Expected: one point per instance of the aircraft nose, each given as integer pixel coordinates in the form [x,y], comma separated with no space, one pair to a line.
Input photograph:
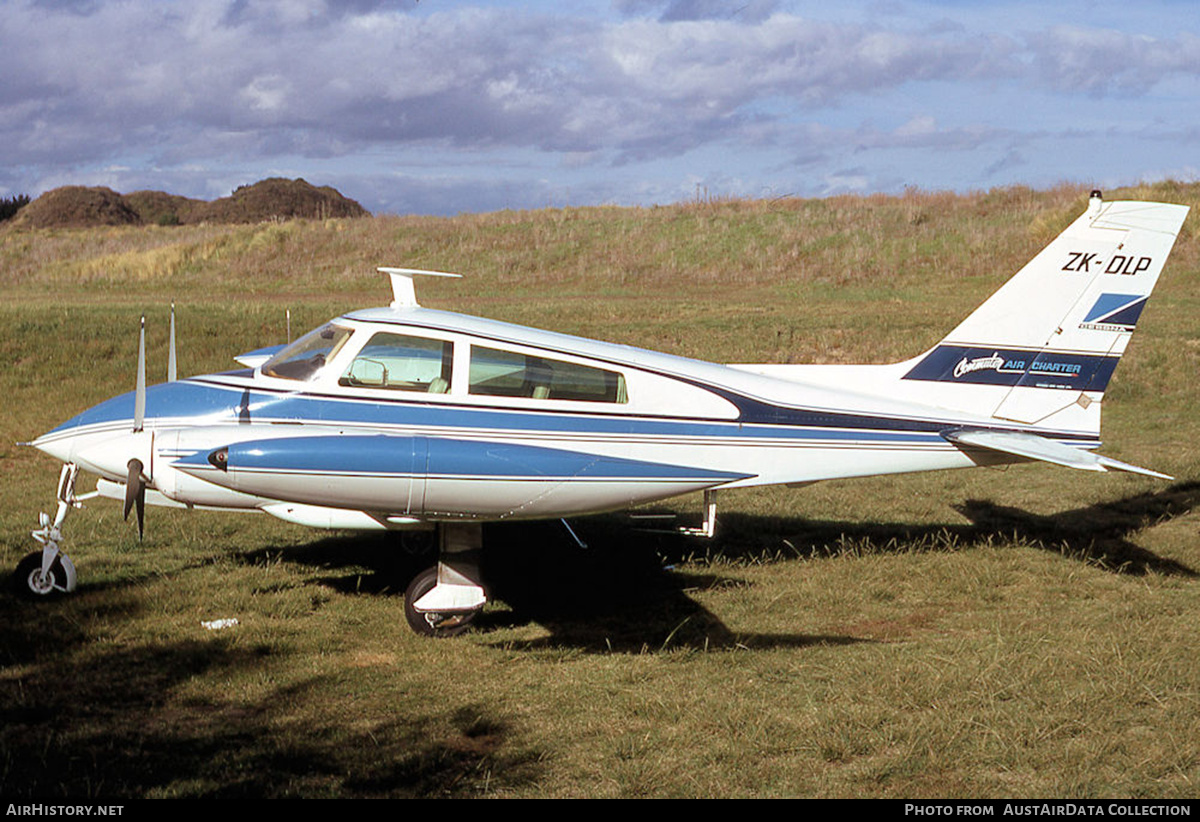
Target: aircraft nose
[100,439]
[61,447]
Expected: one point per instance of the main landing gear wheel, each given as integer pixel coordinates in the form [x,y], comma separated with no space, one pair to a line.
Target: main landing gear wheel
[31,583]
[429,623]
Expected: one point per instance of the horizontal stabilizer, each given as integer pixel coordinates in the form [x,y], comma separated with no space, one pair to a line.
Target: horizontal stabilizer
[1034,447]
[404,292]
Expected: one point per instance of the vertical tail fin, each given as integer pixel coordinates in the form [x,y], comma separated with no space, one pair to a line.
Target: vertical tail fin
[1042,349]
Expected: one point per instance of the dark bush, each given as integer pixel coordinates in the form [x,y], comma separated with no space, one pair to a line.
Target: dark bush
[9,206]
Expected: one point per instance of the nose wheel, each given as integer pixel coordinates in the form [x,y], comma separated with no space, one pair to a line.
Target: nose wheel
[49,572]
[32,582]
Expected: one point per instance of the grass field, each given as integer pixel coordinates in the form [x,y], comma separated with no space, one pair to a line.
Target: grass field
[1028,632]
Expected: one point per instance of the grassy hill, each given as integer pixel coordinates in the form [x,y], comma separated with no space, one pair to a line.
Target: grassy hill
[994,633]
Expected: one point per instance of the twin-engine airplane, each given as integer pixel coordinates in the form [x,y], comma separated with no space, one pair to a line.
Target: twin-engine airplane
[407,417]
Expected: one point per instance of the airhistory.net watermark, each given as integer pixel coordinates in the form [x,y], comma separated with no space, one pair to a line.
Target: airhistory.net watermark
[47,809]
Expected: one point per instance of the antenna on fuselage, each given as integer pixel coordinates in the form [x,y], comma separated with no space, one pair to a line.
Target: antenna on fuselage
[404,293]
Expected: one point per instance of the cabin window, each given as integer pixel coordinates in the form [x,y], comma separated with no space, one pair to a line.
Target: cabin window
[304,359]
[499,373]
[400,362]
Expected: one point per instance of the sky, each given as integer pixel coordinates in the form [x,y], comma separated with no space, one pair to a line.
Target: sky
[450,106]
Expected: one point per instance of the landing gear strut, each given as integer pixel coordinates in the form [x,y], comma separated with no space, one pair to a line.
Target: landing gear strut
[49,572]
[443,600]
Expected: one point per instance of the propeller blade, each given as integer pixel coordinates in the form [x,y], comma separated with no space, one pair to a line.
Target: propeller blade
[132,482]
[135,494]
[139,400]
[171,349]
[140,505]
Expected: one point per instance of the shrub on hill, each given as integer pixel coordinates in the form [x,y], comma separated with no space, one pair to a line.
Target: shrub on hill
[270,199]
[9,206]
[277,198]
[160,208]
[77,207]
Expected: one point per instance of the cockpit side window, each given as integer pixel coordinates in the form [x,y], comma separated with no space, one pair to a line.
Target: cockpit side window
[500,373]
[307,356]
[402,363]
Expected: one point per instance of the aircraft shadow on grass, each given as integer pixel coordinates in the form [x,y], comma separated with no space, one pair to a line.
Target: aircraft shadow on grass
[617,594]
[1100,534]
[614,596]
[80,718]
[113,724]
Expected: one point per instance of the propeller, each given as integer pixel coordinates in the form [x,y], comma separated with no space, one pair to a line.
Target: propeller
[135,485]
[171,349]
[135,481]
[135,494]
[139,398]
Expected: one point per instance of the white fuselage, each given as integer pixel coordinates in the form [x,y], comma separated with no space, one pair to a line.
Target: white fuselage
[351,445]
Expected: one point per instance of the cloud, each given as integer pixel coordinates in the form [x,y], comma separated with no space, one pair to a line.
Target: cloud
[1010,160]
[675,10]
[210,83]
[157,74]
[1099,61]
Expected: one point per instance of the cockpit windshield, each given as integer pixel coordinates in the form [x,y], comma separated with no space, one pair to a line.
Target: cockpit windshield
[304,359]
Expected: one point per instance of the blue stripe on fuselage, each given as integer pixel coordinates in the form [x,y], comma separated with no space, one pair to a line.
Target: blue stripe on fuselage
[266,407]
[383,455]
[206,401]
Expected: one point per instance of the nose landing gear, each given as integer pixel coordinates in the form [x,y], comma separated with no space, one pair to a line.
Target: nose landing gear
[49,572]
[31,581]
